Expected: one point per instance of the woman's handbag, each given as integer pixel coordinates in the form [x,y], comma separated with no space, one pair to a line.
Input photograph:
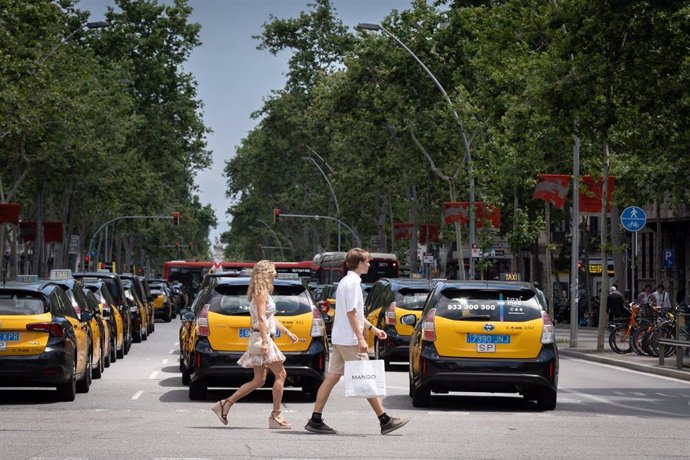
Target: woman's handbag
[255,343]
[365,379]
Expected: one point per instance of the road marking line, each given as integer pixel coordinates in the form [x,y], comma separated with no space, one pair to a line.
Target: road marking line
[173,351]
[630,371]
[136,395]
[623,406]
[165,361]
[153,375]
[177,344]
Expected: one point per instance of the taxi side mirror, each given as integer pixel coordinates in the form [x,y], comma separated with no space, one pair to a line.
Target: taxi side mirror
[186,315]
[85,316]
[408,320]
[106,314]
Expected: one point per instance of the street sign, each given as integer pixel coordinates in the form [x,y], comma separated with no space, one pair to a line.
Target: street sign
[428,259]
[633,218]
[668,258]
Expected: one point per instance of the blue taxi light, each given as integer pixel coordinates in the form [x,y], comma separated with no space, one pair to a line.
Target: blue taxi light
[61,274]
[27,278]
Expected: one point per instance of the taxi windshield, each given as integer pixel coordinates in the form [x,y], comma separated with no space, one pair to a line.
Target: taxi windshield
[232,300]
[21,303]
[510,305]
[411,299]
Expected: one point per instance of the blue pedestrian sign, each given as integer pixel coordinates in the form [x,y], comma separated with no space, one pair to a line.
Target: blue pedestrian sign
[633,218]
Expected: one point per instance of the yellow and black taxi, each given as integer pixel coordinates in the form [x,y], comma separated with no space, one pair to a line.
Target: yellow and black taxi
[140,297]
[389,300]
[221,329]
[113,284]
[107,335]
[162,301]
[75,292]
[326,303]
[486,336]
[137,313]
[111,313]
[43,341]
[146,295]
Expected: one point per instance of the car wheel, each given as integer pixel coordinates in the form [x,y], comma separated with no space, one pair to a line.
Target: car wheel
[378,352]
[186,376]
[98,370]
[421,396]
[84,384]
[182,366]
[546,399]
[121,352]
[68,391]
[197,390]
[311,389]
[113,350]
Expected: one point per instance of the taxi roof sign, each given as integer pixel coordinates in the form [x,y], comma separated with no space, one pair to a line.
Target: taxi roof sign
[287,276]
[27,279]
[246,272]
[61,274]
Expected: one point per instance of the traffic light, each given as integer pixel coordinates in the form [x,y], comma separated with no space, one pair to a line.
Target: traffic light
[177,245]
[276,215]
[87,259]
[261,249]
[190,245]
[176,218]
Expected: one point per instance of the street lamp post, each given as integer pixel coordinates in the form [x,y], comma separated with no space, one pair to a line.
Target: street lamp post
[88,25]
[465,140]
[330,187]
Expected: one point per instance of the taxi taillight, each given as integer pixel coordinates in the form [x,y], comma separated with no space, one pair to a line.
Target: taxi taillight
[56,329]
[428,327]
[316,323]
[325,306]
[202,322]
[548,334]
[390,314]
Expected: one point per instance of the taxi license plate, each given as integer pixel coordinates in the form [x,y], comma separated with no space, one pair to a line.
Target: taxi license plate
[9,336]
[245,331]
[488,338]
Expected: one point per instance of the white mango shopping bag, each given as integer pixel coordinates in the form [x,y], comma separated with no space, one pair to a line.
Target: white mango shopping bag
[365,379]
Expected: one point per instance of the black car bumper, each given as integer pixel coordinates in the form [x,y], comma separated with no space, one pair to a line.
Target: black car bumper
[220,368]
[52,367]
[487,375]
[395,347]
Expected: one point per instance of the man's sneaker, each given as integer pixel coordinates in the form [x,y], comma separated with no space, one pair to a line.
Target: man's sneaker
[320,427]
[393,424]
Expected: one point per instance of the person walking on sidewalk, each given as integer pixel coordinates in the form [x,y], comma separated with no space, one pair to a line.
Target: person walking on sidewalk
[615,304]
[646,296]
[661,297]
[349,344]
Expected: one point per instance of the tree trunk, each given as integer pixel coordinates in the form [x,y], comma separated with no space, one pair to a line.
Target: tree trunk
[659,262]
[618,251]
[513,252]
[415,228]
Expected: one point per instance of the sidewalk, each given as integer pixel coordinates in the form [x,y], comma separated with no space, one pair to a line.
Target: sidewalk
[587,345]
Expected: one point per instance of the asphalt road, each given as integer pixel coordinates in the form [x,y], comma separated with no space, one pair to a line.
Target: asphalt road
[140,409]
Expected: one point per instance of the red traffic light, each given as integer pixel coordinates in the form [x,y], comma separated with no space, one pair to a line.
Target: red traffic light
[176,218]
[276,215]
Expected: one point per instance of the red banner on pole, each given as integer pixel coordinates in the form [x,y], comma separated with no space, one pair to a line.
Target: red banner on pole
[402,231]
[487,212]
[9,213]
[27,231]
[428,232]
[590,194]
[52,232]
[456,211]
[552,188]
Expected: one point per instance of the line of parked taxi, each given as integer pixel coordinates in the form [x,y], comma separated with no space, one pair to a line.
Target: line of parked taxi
[460,336]
[64,331]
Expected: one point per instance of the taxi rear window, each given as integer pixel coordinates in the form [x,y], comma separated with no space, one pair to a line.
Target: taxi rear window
[21,303]
[232,300]
[411,299]
[156,292]
[510,305]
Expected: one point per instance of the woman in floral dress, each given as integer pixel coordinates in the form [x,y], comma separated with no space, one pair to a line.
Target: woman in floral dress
[262,311]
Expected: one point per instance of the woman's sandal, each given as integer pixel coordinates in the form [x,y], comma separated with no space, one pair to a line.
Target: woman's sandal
[277,422]
[219,410]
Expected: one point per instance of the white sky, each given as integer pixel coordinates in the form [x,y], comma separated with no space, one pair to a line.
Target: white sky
[234,77]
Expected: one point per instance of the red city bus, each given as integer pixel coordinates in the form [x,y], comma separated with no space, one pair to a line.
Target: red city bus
[329,267]
[190,274]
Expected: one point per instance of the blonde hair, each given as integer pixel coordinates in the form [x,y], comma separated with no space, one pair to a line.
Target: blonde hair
[261,281]
[354,256]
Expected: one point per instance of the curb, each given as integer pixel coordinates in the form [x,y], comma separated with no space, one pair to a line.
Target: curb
[663,371]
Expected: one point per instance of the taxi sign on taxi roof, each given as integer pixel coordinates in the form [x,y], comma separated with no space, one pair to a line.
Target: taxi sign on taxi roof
[287,276]
[103,270]
[61,274]
[27,278]
[90,280]
[246,272]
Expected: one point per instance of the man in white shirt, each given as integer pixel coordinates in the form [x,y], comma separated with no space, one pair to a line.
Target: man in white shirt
[347,337]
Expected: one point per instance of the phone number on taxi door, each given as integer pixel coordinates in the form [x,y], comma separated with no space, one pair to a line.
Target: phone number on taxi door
[454,306]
